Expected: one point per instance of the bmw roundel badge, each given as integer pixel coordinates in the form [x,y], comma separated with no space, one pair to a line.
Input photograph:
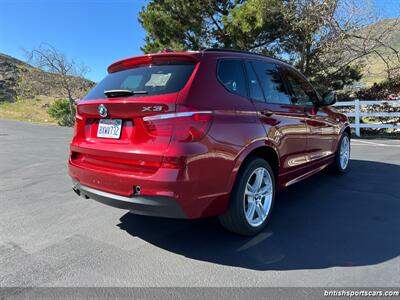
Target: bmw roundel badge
[102,111]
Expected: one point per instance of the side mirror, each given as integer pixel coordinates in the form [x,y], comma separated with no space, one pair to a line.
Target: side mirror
[328,98]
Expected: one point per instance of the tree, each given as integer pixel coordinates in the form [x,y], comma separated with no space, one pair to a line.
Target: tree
[184,25]
[324,39]
[329,40]
[194,25]
[316,38]
[69,73]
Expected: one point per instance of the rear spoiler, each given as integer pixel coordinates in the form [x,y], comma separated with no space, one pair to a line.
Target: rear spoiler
[154,59]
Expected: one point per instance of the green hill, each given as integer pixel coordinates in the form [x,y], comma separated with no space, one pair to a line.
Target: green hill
[27,92]
[19,80]
[374,66]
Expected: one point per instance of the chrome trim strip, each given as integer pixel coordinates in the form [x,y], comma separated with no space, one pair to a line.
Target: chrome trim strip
[175,115]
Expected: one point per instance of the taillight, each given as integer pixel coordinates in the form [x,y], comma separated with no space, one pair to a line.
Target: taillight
[186,126]
[79,124]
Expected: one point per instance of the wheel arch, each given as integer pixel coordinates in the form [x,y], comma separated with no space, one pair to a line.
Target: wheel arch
[345,129]
[262,150]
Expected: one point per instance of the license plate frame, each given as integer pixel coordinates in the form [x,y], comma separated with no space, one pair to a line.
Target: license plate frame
[109,128]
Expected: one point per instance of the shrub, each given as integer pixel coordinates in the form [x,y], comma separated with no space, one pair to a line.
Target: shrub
[60,110]
[381,90]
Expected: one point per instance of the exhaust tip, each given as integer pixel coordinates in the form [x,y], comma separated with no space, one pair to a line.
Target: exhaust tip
[136,190]
[76,190]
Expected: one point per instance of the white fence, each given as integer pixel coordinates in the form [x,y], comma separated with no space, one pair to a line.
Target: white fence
[357,114]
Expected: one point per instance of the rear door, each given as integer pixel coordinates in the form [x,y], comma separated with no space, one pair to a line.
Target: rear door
[320,126]
[284,122]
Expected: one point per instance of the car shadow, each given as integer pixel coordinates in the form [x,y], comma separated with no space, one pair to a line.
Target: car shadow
[324,221]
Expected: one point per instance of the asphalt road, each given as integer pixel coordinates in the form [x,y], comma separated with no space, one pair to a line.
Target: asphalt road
[326,231]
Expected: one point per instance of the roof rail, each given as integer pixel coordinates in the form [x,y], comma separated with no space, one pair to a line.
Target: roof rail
[243,51]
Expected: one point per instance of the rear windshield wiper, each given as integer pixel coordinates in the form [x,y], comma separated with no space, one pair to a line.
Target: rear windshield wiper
[122,93]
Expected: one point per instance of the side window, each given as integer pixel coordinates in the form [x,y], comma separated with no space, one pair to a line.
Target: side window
[231,75]
[272,83]
[303,92]
[254,86]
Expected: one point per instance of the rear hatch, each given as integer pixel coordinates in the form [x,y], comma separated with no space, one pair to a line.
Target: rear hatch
[110,132]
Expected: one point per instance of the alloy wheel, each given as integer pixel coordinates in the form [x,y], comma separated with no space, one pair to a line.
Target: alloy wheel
[258,196]
[344,152]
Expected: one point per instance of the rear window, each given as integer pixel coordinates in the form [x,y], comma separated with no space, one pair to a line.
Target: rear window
[154,79]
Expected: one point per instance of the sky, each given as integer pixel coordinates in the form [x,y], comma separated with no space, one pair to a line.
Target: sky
[93,32]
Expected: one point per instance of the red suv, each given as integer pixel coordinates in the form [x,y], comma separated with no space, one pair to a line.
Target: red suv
[199,134]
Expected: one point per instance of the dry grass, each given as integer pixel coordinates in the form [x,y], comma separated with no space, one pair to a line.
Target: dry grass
[32,110]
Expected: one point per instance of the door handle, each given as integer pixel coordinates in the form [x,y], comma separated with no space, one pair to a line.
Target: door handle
[267,113]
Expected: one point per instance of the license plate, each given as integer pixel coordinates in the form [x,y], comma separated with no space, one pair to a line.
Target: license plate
[109,128]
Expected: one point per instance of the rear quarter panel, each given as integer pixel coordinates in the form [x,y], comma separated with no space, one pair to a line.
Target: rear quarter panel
[235,127]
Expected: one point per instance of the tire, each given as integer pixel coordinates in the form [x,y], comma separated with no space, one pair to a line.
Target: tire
[258,203]
[337,166]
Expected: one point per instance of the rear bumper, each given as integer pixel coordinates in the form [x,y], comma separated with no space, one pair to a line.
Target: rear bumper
[196,185]
[159,206]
